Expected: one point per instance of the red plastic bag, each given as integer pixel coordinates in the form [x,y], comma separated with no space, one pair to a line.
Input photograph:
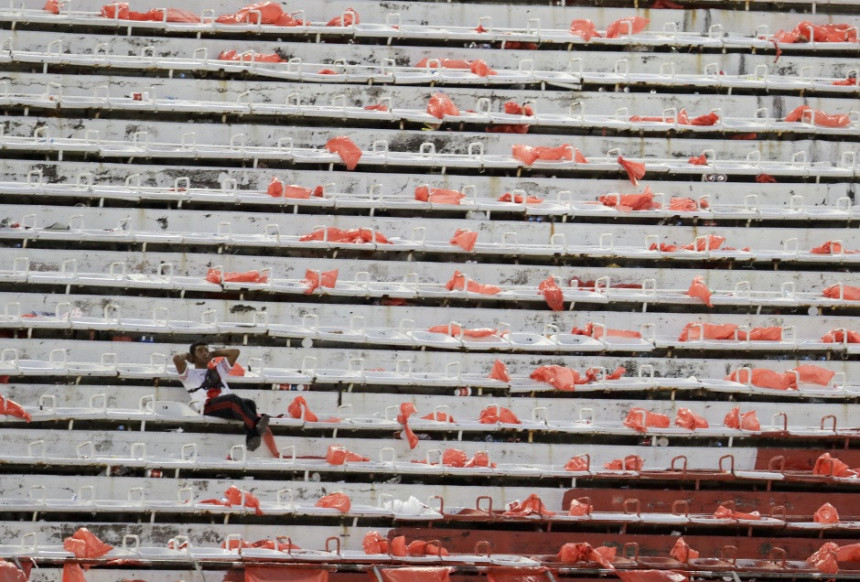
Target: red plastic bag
[519,198]
[337,455]
[168,15]
[746,421]
[583,552]
[465,239]
[626,26]
[765,334]
[73,573]
[279,189]
[314,280]
[764,378]
[438,195]
[407,409]
[701,160]
[236,496]
[299,408]
[438,417]
[418,548]
[842,292]
[428,63]
[441,105]
[700,290]
[584,29]
[826,514]
[84,544]
[52,6]
[232,55]
[10,573]
[635,170]
[812,374]
[628,463]
[695,331]
[530,154]
[115,10]
[532,505]
[577,463]
[825,558]
[348,18]
[481,68]
[685,204]
[514,108]
[841,336]
[686,418]
[558,376]
[630,202]
[337,501]
[831,467]
[641,420]
[346,149]
[702,120]
[269,13]
[597,331]
[580,507]
[816,117]
[831,248]
[217,277]
[849,553]
[455,330]
[683,552]
[480,459]
[498,414]
[353,235]
[10,408]
[552,293]
[376,107]
[458,282]
[724,512]
[374,543]
[499,372]
[454,458]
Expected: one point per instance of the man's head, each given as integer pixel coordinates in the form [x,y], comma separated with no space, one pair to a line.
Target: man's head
[199,352]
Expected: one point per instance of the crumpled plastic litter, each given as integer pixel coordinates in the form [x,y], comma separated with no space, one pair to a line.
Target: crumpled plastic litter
[805,31]
[416,548]
[635,170]
[411,506]
[848,292]
[584,552]
[84,544]
[278,189]
[458,282]
[831,467]
[812,374]
[840,336]
[441,105]
[498,414]
[831,248]
[531,505]
[216,276]
[826,514]
[584,29]
[688,419]
[270,13]
[374,543]
[235,496]
[337,500]
[630,202]
[121,11]
[626,26]
[597,331]
[337,455]
[641,420]
[407,409]
[580,507]
[429,63]
[353,235]
[700,290]
[455,330]
[346,149]
[764,378]
[480,68]
[530,154]
[825,558]
[299,408]
[724,512]
[348,18]
[314,280]
[9,572]
[519,198]
[438,195]
[682,552]
[11,408]
[552,293]
[805,113]
[746,421]
[233,55]
[680,204]
[578,463]
[499,372]
[465,239]
[628,463]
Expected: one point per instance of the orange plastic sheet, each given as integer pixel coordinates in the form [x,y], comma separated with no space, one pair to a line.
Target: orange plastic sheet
[682,552]
[438,195]
[577,463]
[438,417]
[552,293]
[121,11]
[73,573]
[339,501]
[764,378]
[354,235]
[806,113]
[465,239]
[746,421]
[641,420]
[282,544]
[580,507]
[517,574]
[348,18]
[695,331]
[681,119]
[825,559]
[700,290]
[346,149]
[519,198]
[724,512]
[441,105]
[584,29]
[514,108]
[255,573]
[376,107]
[235,496]
[458,458]
[849,553]
[280,190]
[831,248]
[499,372]
[498,414]
[630,202]
[262,13]
[840,336]
[808,32]
[686,418]
[458,282]
[530,154]
[626,26]
[217,277]
[842,292]
[812,374]
[635,170]
[299,408]
[11,408]
[583,552]
[443,63]
[337,455]
[846,82]
[765,179]
[680,204]
[416,548]
[558,376]
[597,331]
[407,409]
[415,574]
[84,544]
[9,572]
[374,543]
[233,55]
[314,280]
[831,467]
[628,463]
[531,505]
[480,68]
[709,242]
[700,160]
[826,514]
[52,6]
[651,576]
[455,330]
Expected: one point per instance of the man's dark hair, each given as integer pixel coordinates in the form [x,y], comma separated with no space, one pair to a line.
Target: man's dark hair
[195,345]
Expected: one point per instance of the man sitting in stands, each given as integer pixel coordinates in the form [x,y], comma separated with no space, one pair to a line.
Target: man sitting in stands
[206,381]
